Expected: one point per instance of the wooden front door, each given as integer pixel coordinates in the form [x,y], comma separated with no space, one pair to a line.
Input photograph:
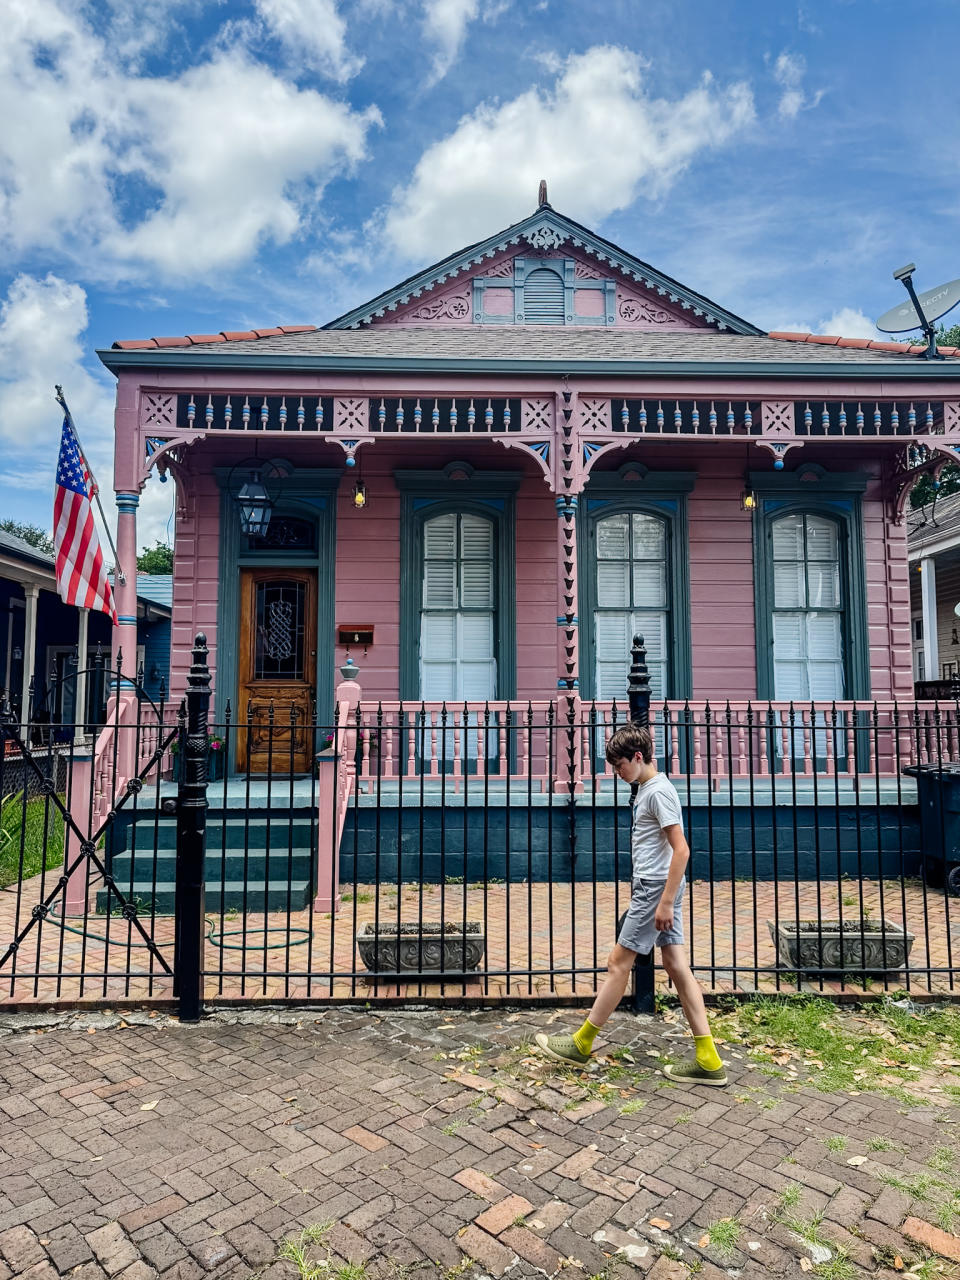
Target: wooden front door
[278,659]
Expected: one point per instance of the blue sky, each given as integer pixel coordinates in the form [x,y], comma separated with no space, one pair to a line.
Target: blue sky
[190,167]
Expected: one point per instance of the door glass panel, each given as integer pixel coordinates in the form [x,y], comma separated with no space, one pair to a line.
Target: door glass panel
[280,630]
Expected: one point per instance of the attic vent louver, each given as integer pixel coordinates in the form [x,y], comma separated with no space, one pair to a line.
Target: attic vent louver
[543,297]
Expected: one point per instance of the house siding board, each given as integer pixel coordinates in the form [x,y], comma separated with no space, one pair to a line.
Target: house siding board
[196,582]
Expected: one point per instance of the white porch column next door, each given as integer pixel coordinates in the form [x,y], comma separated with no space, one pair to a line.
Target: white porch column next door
[928,606]
[32,593]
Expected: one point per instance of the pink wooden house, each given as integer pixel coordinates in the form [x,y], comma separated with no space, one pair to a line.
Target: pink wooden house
[482,482]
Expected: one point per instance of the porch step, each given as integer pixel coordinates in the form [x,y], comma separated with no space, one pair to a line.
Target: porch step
[230,831]
[261,895]
[143,866]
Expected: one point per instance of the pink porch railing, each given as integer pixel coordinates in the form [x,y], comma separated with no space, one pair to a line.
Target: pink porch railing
[703,740]
[122,748]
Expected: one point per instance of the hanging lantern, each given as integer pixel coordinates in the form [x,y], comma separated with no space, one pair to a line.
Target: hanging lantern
[748,500]
[359,495]
[255,506]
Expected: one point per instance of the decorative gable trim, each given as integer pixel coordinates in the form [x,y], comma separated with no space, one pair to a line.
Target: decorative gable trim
[545,230]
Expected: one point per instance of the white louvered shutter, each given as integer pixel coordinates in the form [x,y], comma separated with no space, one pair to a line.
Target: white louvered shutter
[458,610]
[632,598]
[543,297]
[807,610]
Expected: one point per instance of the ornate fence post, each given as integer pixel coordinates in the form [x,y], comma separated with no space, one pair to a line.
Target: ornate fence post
[192,839]
[638,695]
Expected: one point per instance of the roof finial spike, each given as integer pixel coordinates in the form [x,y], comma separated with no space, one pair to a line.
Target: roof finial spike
[542,193]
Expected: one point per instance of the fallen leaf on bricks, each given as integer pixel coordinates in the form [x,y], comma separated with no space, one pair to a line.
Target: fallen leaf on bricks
[703,1242]
[148,1106]
[855,1160]
[806,1264]
[660,1223]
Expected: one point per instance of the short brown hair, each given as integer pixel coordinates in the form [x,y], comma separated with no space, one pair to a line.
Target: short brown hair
[626,742]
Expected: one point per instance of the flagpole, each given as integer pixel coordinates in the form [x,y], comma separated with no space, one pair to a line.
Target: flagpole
[93,481]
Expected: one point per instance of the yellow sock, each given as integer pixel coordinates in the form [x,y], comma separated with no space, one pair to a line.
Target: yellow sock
[707,1056]
[585,1037]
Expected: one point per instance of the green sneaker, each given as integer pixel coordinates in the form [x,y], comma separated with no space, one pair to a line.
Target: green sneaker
[562,1047]
[692,1073]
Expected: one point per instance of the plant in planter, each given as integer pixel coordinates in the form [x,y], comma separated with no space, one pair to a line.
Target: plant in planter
[215,755]
[848,946]
[422,948]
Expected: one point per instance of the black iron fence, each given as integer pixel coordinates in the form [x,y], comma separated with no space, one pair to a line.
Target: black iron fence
[471,852]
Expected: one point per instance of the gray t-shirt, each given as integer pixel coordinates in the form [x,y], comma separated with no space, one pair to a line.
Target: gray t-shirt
[657,806]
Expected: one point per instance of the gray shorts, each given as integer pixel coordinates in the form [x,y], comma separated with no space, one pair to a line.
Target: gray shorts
[638,931]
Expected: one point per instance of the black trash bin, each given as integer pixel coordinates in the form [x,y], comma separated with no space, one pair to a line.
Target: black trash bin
[938,795]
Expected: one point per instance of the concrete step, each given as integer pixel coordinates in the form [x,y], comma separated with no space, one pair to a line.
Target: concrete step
[144,866]
[261,895]
[236,832]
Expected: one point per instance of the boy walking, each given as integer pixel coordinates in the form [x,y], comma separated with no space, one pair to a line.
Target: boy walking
[659,853]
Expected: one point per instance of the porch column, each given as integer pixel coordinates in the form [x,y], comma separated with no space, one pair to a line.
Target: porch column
[125,632]
[32,592]
[928,599]
[80,691]
[568,755]
[125,588]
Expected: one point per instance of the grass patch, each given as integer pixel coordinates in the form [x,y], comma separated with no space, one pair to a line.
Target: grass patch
[881,1144]
[944,1160]
[917,1185]
[725,1235]
[788,1199]
[38,827]
[839,1267]
[836,1143]
[881,1049]
[632,1106]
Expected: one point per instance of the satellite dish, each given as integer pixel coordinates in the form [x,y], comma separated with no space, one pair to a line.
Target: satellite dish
[932,304]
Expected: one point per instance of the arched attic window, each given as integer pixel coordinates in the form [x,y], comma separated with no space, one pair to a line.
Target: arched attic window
[543,297]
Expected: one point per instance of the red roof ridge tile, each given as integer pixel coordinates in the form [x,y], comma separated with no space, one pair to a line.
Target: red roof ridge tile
[225,335]
[911,349]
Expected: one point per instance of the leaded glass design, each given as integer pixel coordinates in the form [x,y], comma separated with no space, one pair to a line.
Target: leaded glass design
[632,597]
[808,617]
[458,609]
[281,628]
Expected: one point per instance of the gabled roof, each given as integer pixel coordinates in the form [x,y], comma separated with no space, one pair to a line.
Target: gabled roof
[545,228]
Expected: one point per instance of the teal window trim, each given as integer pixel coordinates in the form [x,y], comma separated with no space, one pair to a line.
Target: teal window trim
[634,488]
[309,492]
[811,490]
[457,487]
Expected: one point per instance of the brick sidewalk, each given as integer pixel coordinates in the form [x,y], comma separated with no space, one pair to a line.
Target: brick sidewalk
[154,1149]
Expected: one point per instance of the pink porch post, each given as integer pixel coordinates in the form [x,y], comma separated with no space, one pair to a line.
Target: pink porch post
[568,763]
[125,633]
[334,788]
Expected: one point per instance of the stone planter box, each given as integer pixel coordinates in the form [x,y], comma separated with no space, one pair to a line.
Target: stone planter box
[421,948]
[805,946]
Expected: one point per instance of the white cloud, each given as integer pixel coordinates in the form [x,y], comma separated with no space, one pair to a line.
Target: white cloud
[445,25]
[596,135]
[789,71]
[313,32]
[127,173]
[41,326]
[848,322]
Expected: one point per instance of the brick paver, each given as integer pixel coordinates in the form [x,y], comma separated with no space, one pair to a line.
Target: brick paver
[374,1125]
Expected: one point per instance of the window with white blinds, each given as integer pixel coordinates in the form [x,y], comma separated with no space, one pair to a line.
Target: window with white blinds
[808,608]
[632,597]
[458,609]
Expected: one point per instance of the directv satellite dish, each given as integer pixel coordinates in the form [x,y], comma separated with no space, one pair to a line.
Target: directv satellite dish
[922,309]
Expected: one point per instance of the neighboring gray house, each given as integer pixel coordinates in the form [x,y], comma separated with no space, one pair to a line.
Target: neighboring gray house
[933,547]
[39,636]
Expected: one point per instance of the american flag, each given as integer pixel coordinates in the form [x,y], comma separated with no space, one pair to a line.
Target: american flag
[81,575]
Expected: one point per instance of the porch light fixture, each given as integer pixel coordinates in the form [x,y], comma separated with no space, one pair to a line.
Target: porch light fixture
[748,500]
[255,505]
[359,495]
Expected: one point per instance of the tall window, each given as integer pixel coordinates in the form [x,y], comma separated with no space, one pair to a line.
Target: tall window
[458,609]
[808,608]
[632,596]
